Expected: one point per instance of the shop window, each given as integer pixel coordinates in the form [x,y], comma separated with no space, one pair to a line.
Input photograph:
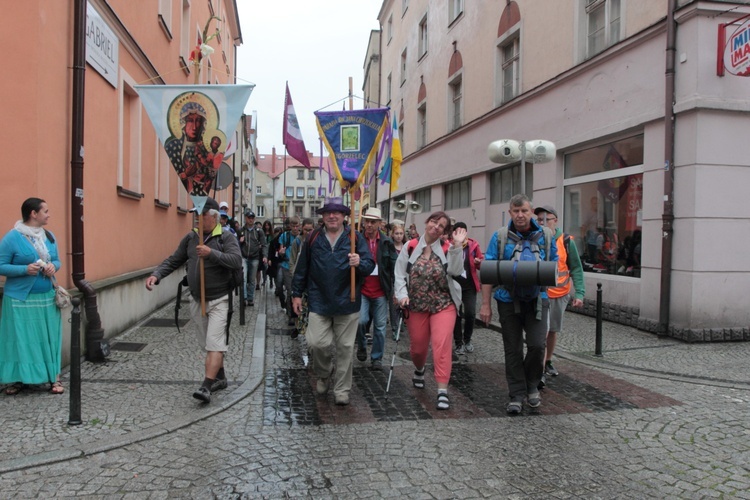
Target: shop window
[603,196]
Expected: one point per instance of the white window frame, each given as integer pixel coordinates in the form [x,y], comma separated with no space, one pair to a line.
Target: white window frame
[423,37]
[289,192]
[455,101]
[311,191]
[185,31]
[300,192]
[449,202]
[260,211]
[455,9]
[258,190]
[165,17]
[403,66]
[422,125]
[389,28]
[611,31]
[511,39]
[163,173]
[130,180]
[388,88]
[404,7]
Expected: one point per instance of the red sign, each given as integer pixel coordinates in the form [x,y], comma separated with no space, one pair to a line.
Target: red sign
[736,49]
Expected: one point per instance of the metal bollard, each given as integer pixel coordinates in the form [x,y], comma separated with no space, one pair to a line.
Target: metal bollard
[598,349]
[74,417]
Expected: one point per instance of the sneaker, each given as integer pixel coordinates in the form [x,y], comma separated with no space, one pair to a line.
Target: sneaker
[322,386]
[534,401]
[362,354]
[203,394]
[220,384]
[443,403]
[257,287]
[542,382]
[550,370]
[469,347]
[377,364]
[368,336]
[294,334]
[514,408]
[461,349]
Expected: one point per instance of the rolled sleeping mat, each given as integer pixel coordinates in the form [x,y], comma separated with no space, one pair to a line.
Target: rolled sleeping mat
[520,273]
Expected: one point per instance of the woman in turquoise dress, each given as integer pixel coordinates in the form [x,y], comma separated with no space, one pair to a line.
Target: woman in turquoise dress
[30,325]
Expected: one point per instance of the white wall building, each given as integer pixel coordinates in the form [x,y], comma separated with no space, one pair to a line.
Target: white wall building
[588,75]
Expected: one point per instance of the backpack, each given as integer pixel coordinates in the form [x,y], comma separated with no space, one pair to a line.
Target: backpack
[525,249]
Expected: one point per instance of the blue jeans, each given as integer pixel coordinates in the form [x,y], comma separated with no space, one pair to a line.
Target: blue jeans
[251,271]
[379,309]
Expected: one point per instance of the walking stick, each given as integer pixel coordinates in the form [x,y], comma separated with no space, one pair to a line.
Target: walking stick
[402,313]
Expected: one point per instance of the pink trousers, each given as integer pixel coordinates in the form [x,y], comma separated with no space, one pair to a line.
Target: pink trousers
[426,328]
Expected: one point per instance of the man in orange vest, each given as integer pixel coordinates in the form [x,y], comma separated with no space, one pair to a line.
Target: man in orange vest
[568,266]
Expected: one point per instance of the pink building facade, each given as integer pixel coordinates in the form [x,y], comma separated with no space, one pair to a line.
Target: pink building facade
[135,209]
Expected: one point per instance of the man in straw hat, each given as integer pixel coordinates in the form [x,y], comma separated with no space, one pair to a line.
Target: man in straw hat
[377,289]
[323,269]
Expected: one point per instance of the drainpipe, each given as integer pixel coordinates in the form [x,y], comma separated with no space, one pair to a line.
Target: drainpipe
[96,347]
[669,133]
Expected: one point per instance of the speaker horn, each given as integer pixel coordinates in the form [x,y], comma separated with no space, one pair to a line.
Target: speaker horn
[400,206]
[415,207]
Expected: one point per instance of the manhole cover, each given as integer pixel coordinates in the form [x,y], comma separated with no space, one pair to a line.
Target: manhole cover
[128,346]
[165,322]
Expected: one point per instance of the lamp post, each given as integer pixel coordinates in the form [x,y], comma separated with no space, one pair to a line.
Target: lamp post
[509,150]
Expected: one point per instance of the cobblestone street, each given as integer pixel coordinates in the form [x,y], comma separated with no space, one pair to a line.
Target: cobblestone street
[635,431]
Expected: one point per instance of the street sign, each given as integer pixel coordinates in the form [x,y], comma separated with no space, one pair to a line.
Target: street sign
[102,46]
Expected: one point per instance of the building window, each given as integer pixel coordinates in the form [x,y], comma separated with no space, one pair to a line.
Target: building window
[423,37]
[185,31]
[289,192]
[404,6]
[163,173]
[260,211]
[458,194]
[454,113]
[603,25]
[310,174]
[300,192]
[423,197]
[422,126]
[258,190]
[299,210]
[509,69]
[300,174]
[389,25]
[388,89]
[403,67]
[165,17]
[603,196]
[455,8]
[311,192]
[506,182]
[129,161]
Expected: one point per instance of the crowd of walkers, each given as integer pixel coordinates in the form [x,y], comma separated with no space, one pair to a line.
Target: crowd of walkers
[339,286]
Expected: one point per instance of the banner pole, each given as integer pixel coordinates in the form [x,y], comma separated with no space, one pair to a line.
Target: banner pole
[353,239]
[200,267]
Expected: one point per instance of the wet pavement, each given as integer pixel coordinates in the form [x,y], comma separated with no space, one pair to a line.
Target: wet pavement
[652,418]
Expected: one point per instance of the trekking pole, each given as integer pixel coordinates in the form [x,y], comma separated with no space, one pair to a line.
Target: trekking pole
[402,313]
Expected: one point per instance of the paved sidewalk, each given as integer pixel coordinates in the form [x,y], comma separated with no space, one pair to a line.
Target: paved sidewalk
[135,396]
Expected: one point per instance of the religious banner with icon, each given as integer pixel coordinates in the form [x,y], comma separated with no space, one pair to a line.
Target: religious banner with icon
[352,139]
[195,124]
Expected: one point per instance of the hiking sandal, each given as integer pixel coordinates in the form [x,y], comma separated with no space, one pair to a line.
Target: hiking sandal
[418,379]
[443,403]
